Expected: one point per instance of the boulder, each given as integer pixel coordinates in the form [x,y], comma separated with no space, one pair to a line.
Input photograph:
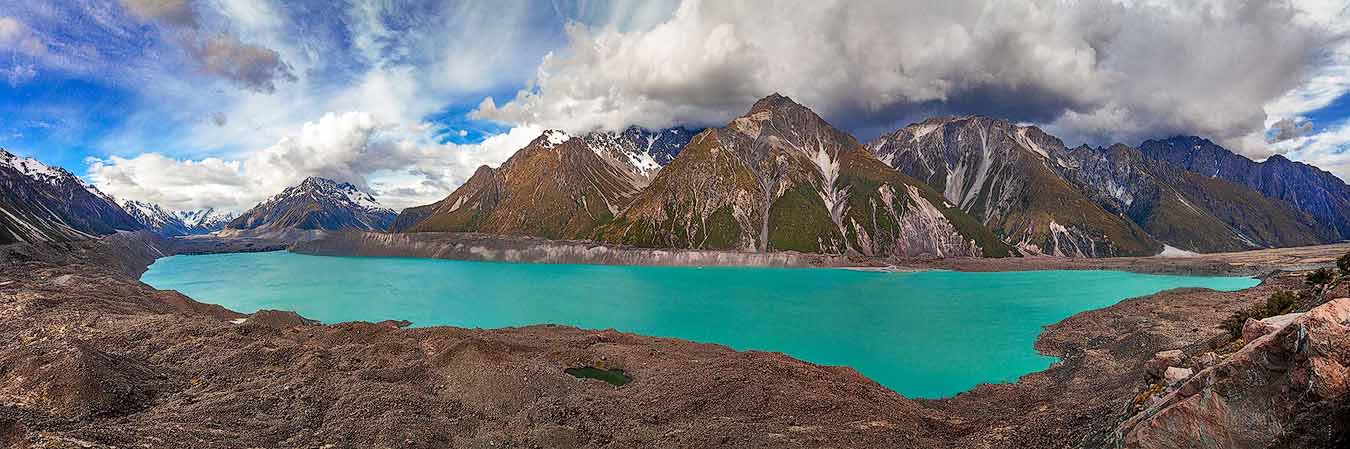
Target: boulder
[1288,388]
[1175,375]
[1254,329]
[1157,367]
[1202,361]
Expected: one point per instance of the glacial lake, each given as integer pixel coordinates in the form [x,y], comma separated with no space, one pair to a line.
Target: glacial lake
[926,334]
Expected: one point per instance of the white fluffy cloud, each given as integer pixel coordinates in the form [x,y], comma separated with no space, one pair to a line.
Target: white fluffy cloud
[1093,70]
[399,165]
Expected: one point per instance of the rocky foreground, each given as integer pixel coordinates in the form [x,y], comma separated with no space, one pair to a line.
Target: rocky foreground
[90,357]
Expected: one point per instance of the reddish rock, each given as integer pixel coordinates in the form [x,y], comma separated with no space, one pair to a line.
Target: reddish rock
[1284,389]
[1157,367]
[1203,361]
[1254,329]
[1173,375]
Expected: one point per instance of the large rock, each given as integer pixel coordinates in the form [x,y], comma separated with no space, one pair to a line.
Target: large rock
[1288,388]
[1254,329]
[1157,366]
[1175,375]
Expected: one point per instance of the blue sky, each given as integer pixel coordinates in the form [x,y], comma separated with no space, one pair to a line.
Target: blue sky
[220,103]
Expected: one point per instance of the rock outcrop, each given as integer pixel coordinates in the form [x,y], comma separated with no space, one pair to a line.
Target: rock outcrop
[1289,387]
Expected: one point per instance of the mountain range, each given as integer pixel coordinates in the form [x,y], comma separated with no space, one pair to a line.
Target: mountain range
[306,210]
[781,178]
[1308,188]
[173,224]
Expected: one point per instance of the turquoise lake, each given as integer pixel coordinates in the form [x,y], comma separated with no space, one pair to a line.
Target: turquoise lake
[927,334]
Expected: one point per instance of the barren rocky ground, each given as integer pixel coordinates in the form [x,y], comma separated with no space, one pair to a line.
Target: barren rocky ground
[90,357]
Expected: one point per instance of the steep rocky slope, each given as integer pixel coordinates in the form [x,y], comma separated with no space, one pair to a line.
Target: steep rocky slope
[1317,192]
[317,204]
[40,203]
[559,186]
[781,178]
[1008,177]
[1185,209]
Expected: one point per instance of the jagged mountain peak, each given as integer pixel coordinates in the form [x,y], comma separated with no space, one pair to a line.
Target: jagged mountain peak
[782,178]
[316,204]
[1008,176]
[773,101]
[559,185]
[176,223]
[328,189]
[34,168]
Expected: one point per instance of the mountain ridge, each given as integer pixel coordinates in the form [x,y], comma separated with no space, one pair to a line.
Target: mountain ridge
[179,223]
[41,203]
[315,205]
[1008,177]
[1311,189]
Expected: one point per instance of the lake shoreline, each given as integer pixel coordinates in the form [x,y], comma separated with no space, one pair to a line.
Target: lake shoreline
[491,248]
[512,385]
[866,320]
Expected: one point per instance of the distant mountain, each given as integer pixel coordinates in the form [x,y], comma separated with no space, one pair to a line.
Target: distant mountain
[1009,178]
[559,186]
[781,178]
[1185,209]
[204,221]
[317,204]
[1308,188]
[172,224]
[156,218]
[39,203]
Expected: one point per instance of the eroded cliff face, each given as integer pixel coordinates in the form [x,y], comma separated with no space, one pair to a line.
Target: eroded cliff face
[1288,387]
[1008,177]
[781,178]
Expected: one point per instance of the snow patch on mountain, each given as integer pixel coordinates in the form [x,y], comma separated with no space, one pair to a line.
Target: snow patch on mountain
[1172,251]
[34,169]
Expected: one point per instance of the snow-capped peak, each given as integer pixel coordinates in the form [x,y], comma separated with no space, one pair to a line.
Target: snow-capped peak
[553,138]
[336,191]
[32,168]
[207,218]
